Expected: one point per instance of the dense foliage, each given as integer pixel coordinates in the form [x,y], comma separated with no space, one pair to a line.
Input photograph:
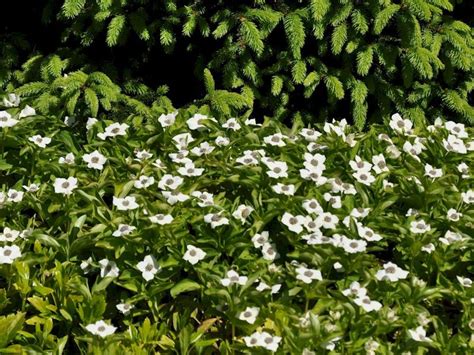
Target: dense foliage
[183,233]
[318,58]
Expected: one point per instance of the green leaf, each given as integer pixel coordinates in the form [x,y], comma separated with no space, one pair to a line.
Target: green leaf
[185,285]
[114,30]
[339,37]
[384,16]
[91,101]
[334,86]
[9,327]
[72,8]
[364,61]
[209,81]
[251,35]
[295,33]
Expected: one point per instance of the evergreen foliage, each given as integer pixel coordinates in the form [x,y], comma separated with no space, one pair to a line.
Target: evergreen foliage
[319,58]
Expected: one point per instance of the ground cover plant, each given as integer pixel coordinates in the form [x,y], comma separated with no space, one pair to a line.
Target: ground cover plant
[185,233]
[321,59]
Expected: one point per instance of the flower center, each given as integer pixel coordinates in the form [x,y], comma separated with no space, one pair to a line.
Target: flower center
[65,184]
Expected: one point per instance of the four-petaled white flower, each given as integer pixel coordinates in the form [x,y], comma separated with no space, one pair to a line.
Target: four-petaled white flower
[232,124]
[433,172]
[144,181]
[14,195]
[468,196]
[11,100]
[9,235]
[419,227]
[101,329]
[465,281]
[114,130]
[65,186]
[391,272]
[364,177]
[308,275]
[161,219]
[196,121]
[242,213]
[189,169]
[125,308]
[419,334]
[170,182]
[90,122]
[249,315]
[8,254]
[275,140]
[123,229]
[215,219]
[294,223]
[194,254]
[6,120]
[40,141]
[400,125]
[264,340]
[27,111]
[94,160]
[379,164]
[233,278]
[68,159]
[288,190]
[125,203]
[355,290]
[168,119]
[367,304]
[108,268]
[149,267]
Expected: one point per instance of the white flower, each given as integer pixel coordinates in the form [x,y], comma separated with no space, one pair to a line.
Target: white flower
[41,142]
[380,165]
[215,219]
[432,172]
[90,122]
[159,164]
[144,181]
[414,149]
[251,122]
[206,198]
[9,253]
[94,160]
[367,233]
[454,144]
[182,140]
[247,159]
[312,225]
[123,229]
[233,278]
[168,119]
[125,308]
[393,151]
[101,328]
[193,254]
[113,130]
[310,134]
[360,212]
[370,346]
[327,220]
[108,268]
[173,197]
[180,157]
[335,201]
[262,286]
[125,203]
[352,246]
[232,124]
[278,169]
[69,121]
[280,188]
[314,162]
[428,248]
[314,175]
[391,272]
[65,186]
[458,129]
[31,187]
[195,122]
[143,155]
[464,281]
[9,235]
[400,125]
[170,182]
[419,227]
[294,223]
[11,100]
[308,275]
[222,141]
[463,168]
[86,265]
[269,342]
[275,140]
[203,149]
[149,267]
[312,206]
[355,290]
[161,219]
[269,252]
[27,111]
[468,196]
[6,120]
[68,159]
[360,165]
[14,195]
[338,266]
[453,215]
[367,304]
[242,212]
[253,340]
[450,238]
[419,334]
[190,170]
[249,315]
[260,239]
[364,177]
